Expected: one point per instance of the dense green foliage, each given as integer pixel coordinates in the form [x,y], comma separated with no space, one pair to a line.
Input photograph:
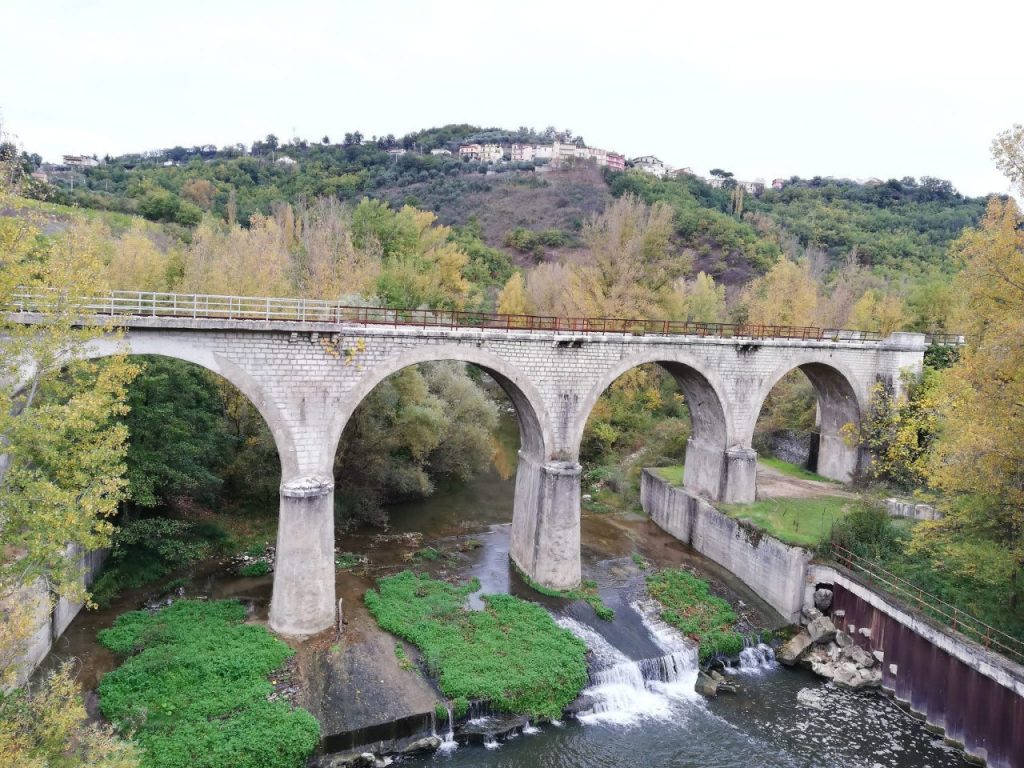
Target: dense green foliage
[899,227]
[511,654]
[423,423]
[971,571]
[194,688]
[147,549]
[688,605]
[179,438]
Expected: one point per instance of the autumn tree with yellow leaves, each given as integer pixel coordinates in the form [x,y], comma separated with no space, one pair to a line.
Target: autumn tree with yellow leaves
[979,455]
[61,479]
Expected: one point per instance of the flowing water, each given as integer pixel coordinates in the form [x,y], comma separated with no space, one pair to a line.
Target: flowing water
[640,707]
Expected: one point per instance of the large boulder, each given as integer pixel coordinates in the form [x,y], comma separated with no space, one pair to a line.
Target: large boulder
[706,685]
[809,614]
[858,656]
[849,675]
[426,744]
[843,639]
[821,630]
[790,653]
[823,599]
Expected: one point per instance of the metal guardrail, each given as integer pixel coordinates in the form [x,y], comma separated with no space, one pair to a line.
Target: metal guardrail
[953,617]
[196,306]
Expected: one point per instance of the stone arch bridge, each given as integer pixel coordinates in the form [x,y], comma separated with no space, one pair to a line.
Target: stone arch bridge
[306,371]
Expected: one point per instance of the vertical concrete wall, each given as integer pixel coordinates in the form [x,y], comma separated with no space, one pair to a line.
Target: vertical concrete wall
[775,571]
[975,696]
[50,622]
[545,539]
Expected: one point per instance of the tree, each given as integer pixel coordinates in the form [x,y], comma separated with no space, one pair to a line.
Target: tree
[178,434]
[703,301]
[879,312]
[632,263]
[719,173]
[786,295]
[979,453]
[137,263]
[61,479]
[512,299]
[1008,152]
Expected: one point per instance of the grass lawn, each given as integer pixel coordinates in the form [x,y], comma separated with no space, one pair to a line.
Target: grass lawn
[792,470]
[673,475]
[804,522]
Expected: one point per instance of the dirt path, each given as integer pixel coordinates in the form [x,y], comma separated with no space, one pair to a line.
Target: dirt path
[772,484]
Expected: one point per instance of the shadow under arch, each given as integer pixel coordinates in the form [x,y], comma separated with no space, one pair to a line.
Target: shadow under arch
[230,371]
[706,465]
[841,401]
[534,428]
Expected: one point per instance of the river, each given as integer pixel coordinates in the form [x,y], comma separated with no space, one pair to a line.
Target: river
[642,706]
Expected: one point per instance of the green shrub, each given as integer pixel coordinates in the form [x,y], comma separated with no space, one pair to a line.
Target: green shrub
[867,530]
[258,568]
[511,654]
[194,689]
[688,605]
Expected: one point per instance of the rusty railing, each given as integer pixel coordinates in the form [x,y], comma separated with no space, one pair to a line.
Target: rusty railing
[199,306]
[945,613]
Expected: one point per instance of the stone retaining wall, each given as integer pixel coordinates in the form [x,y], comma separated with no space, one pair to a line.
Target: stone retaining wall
[775,571]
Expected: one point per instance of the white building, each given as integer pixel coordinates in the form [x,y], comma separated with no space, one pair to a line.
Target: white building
[650,164]
[523,153]
[492,153]
[396,152]
[470,152]
[441,152]
[81,161]
[285,160]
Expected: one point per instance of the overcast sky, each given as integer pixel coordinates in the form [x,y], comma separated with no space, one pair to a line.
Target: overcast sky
[763,89]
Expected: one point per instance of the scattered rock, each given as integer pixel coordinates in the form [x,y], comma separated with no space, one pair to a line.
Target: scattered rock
[586,497]
[706,685]
[843,639]
[809,614]
[794,648]
[821,630]
[823,599]
[717,676]
[427,743]
[858,656]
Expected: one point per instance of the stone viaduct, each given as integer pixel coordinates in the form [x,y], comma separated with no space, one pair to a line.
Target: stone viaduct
[306,378]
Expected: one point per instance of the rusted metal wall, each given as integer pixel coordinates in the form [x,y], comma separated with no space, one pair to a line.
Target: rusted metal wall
[973,709]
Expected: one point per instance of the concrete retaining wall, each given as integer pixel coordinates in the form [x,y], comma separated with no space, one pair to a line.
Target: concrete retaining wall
[900,508]
[775,571]
[975,696]
[51,622]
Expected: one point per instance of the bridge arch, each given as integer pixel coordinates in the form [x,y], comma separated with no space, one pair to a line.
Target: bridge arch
[135,344]
[707,467]
[841,400]
[534,427]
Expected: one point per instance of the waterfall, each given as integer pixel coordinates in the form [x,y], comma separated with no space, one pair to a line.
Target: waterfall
[755,658]
[624,690]
[448,743]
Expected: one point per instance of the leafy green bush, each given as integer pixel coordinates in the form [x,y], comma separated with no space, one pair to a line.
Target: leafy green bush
[258,568]
[194,689]
[868,531]
[146,550]
[688,605]
[511,654]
